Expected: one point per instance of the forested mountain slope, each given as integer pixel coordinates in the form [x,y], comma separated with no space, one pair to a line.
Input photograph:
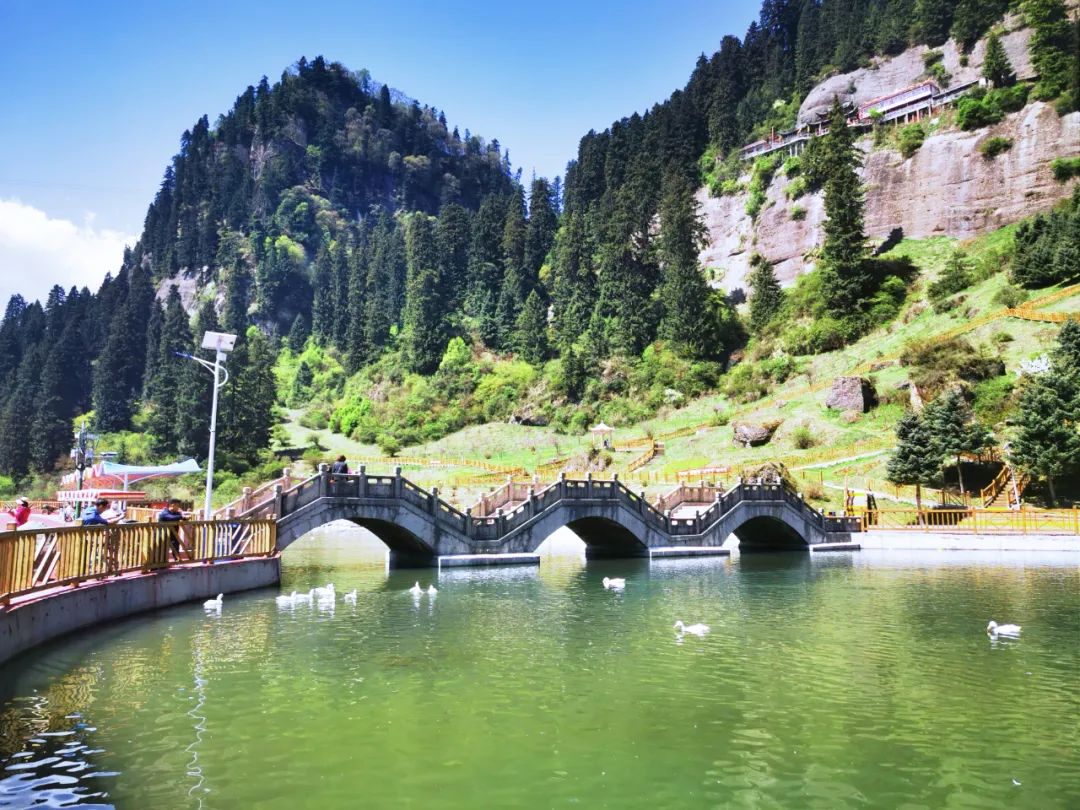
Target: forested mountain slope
[394,279]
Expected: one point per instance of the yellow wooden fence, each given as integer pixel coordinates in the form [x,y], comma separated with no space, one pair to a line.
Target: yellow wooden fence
[975,521]
[38,560]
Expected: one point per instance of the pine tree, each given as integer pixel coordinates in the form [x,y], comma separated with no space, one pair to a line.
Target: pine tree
[1067,351]
[246,408]
[454,235]
[913,461]
[933,19]
[844,268]
[684,294]
[766,296]
[193,391]
[953,429]
[424,328]
[339,257]
[17,418]
[530,331]
[323,304]
[573,292]
[298,334]
[355,349]
[1047,439]
[50,436]
[996,67]
[540,232]
[165,373]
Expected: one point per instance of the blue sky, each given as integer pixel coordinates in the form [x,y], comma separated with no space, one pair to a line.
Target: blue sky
[95,95]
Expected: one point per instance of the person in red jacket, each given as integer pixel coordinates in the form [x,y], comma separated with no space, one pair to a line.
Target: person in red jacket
[21,512]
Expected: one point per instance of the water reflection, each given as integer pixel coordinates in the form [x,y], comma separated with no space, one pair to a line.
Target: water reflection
[827,680]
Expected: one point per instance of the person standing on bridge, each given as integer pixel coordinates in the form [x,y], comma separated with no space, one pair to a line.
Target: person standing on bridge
[172,514]
[340,467]
[21,513]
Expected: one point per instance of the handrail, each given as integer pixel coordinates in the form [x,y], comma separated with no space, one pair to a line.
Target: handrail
[37,560]
[974,521]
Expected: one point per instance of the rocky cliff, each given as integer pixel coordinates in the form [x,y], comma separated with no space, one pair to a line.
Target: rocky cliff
[946,188]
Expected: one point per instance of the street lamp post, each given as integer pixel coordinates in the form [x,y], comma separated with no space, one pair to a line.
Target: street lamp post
[222,344]
[83,453]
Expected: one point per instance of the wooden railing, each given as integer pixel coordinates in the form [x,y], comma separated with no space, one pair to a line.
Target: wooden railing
[38,560]
[975,521]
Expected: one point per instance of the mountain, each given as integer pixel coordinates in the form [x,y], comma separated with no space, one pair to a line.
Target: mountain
[393,278]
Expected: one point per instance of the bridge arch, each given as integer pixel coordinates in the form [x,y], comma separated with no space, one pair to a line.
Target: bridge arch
[769,533]
[406,549]
[605,538]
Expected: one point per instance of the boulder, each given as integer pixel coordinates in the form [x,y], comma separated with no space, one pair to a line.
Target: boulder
[851,394]
[751,435]
[529,417]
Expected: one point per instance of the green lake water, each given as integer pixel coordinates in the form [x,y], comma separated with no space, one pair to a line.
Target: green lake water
[833,680]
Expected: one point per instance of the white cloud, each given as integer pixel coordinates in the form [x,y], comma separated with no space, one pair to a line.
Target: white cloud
[37,251]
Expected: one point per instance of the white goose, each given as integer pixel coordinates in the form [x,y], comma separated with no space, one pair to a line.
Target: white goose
[416,590]
[694,629]
[325,593]
[304,597]
[350,597]
[431,590]
[995,629]
[286,600]
[616,584]
[214,604]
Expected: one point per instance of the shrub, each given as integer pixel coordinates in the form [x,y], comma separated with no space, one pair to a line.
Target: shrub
[982,108]
[1010,296]
[796,188]
[1065,168]
[823,335]
[792,166]
[911,138]
[760,178]
[935,366]
[388,445]
[931,58]
[814,491]
[798,213]
[802,438]
[992,147]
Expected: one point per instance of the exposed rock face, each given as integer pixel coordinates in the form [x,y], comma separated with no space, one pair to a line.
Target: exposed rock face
[751,435]
[890,74]
[946,188]
[850,394]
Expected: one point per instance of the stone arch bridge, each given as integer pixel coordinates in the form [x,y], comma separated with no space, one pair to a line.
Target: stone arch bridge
[420,528]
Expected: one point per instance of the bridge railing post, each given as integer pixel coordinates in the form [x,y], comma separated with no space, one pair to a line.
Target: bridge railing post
[286,478]
[324,480]
[530,508]
[615,486]
[562,486]
[397,482]
[588,485]
[470,528]
[500,521]
[361,483]
[245,503]
[434,501]
[641,502]
[279,500]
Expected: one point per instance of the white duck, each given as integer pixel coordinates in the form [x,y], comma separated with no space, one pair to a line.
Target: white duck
[304,597]
[214,604]
[416,590]
[325,593]
[286,600]
[995,629]
[694,629]
[350,597]
[616,584]
[431,590]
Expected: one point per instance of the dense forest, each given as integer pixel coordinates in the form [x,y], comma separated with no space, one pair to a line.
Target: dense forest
[359,245]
